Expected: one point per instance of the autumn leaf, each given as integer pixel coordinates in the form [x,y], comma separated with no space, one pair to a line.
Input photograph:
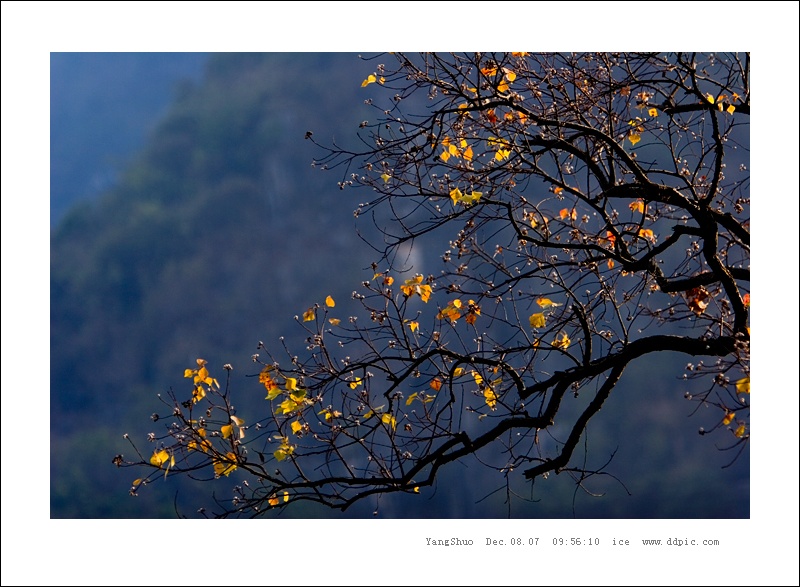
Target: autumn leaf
[490,397]
[730,109]
[389,420]
[710,98]
[468,154]
[537,320]
[284,450]
[458,372]
[637,206]
[291,384]
[159,458]
[456,195]
[415,285]
[502,154]
[221,467]
[445,156]
[547,303]
[329,302]
[273,500]
[566,213]
[653,112]
[740,431]
[697,299]
[648,234]
[520,54]
[728,418]
[411,398]
[355,383]
[413,325]
[371,79]
[502,87]
[510,75]
[436,384]
[296,427]
[477,377]
[634,138]
[563,342]
[309,315]
[746,300]
[743,385]
[557,190]
[334,321]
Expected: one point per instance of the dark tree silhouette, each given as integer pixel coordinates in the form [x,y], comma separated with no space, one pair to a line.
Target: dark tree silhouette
[590,210]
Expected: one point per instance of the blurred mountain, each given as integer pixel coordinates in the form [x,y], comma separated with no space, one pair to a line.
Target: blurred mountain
[213,237]
[102,108]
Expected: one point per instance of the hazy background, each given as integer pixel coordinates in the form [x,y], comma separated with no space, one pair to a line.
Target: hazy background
[188,222]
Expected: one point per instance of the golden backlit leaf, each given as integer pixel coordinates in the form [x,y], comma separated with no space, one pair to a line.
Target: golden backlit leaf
[537,320]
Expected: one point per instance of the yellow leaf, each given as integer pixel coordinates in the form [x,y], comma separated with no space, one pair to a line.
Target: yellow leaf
[456,195]
[537,320]
[510,75]
[388,280]
[634,138]
[730,109]
[296,427]
[477,377]
[386,177]
[201,362]
[743,385]
[284,450]
[637,206]
[468,154]
[355,383]
[309,315]
[563,342]
[611,263]
[546,303]
[557,190]
[273,499]
[189,372]
[334,321]
[329,302]
[136,482]
[416,490]
[728,418]
[370,80]
[566,213]
[291,383]
[226,431]
[491,397]
[458,372]
[413,325]
[436,384]
[389,420]
[286,493]
[648,234]
[502,154]
[225,468]
[411,398]
[502,86]
[740,431]
[425,292]
[445,156]
[710,98]
[159,458]
[652,112]
[520,54]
